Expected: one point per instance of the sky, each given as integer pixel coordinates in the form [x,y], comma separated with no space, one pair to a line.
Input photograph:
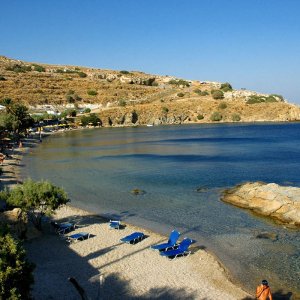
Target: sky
[252,44]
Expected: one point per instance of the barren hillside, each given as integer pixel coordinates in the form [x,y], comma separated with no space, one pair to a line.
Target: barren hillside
[131,97]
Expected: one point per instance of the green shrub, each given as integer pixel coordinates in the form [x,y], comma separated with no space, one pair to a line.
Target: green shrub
[235,117]
[180,94]
[217,94]
[19,68]
[38,199]
[122,102]
[92,93]
[204,93]
[92,119]
[70,99]
[222,105]
[198,91]
[87,110]
[59,71]
[165,110]
[253,99]
[154,83]
[82,74]
[278,97]
[225,87]
[38,68]
[271,99]
[2,78]
[15,271]
[216,116]
[124,72]
[179,82]
[200,117]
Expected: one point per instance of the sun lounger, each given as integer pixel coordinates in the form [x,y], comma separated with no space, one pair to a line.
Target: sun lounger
[62,228]
[133,238]
[181,250]
[113,224]
[170,244]
[78,237]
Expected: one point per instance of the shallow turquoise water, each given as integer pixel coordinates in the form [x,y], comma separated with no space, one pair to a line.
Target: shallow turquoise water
[99,168]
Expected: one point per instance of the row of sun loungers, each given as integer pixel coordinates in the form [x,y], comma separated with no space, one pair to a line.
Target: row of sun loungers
[171,249]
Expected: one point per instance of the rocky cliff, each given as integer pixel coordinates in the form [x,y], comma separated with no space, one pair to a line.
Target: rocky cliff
[281,203]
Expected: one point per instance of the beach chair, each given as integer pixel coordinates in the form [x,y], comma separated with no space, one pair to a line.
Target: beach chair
[78,237]
[113,224]
[181,250]
[170,244]
[133,238]
[62,228]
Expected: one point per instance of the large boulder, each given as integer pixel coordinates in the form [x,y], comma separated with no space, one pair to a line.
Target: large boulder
[16,220]
[278,202]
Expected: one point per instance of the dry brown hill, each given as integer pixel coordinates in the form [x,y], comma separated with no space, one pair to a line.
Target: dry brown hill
[131,97]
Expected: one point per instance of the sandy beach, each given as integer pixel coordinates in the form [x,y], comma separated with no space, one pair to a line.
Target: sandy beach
[109,269]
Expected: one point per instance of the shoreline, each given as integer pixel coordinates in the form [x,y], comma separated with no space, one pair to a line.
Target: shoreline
[201,264]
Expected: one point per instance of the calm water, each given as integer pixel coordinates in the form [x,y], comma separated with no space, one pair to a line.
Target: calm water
[99,168]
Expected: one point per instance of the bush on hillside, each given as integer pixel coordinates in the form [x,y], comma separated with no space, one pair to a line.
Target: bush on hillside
[19,68]
[38,68]
[180,94]
[165,110]
[82,74]
[179,82]
[92,93]
[122,102]
[124,72]
[222,105]
[235,117]
[226,87]
[216,116]
[87,110]
[2,78]
[217,94]
[200,117]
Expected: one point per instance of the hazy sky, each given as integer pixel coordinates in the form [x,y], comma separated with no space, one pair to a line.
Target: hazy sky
[253,44]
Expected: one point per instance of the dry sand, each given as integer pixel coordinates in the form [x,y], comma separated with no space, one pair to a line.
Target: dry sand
[126,271]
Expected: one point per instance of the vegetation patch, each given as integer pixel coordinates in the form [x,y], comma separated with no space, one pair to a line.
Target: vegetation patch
[200,117]
[235,117]
[179,82]
[180,95]
[217,94]
[92,93]
[92,119]
[216,116]
[226,87]
[19,68]
[222,105]
[254,99]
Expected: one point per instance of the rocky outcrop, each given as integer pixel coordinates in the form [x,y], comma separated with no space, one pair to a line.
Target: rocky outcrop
[278,202]
[16,220]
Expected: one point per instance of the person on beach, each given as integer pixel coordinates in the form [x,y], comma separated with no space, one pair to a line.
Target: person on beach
[2,157]
[263,291]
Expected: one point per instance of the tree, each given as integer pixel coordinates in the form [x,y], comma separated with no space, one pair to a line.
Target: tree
[17,117]
[15,271]
[38,199]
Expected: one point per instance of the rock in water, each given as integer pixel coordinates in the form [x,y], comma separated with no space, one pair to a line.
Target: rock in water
[278,202]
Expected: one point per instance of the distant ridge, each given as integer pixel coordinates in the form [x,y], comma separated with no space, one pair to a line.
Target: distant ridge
[135,98]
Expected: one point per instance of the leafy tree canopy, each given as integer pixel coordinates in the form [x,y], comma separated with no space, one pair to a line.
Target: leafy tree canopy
[15,271]
[38,199]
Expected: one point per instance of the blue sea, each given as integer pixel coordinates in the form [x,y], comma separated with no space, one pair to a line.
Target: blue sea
[183,170]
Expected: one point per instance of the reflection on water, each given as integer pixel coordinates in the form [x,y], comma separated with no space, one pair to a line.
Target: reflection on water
[100,167]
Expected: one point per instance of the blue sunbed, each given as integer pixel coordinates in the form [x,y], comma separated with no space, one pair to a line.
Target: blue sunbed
[62,228]
[181,250]
[133,238]
[170,244]
[78,237]
[113,224]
